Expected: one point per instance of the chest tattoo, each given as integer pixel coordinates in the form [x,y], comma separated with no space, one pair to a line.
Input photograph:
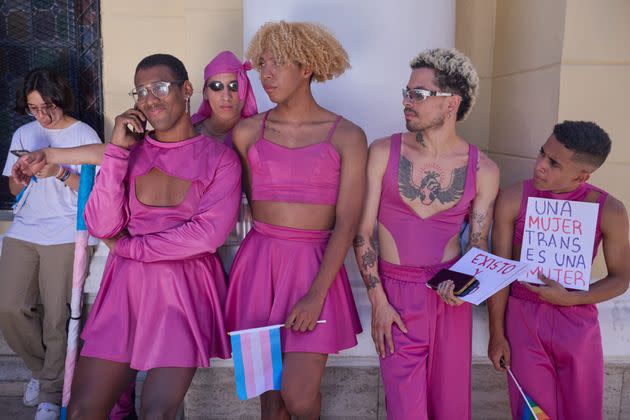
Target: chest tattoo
[431,185]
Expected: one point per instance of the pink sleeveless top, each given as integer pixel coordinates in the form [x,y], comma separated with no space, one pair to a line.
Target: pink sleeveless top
[421,241]
[578,194]
[308,174]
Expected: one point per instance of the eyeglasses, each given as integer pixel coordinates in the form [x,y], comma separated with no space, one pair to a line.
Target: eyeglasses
[217,86]
[158,89]
[46,109]
[419,95]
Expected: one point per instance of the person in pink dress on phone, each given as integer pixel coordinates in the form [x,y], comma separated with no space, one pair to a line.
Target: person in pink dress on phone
[163,202]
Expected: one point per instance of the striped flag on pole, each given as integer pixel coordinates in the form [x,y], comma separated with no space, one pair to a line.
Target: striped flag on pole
[257,360]
[531,410]
[78,280]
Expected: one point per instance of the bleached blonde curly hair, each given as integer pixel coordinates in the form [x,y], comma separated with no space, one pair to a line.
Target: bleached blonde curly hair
[454,73]
[304,43]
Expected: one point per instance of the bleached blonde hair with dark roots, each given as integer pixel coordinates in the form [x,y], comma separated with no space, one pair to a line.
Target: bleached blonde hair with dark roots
[454,73]
[304,43]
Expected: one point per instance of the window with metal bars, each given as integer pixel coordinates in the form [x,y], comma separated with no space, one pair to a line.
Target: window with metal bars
[63,35]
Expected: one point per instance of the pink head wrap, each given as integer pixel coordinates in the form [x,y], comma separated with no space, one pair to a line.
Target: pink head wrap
[227,62]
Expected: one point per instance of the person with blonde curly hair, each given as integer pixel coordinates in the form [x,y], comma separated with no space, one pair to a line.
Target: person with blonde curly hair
[421,186]
[304,170]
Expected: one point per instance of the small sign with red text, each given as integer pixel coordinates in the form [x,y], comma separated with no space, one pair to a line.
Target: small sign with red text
[493,273]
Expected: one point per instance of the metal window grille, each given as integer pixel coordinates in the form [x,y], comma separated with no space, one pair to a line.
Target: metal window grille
[63,35]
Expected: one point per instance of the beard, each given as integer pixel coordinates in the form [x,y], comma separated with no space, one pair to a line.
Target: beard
[415,126]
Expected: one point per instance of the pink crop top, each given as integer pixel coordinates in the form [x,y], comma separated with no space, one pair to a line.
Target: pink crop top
[421,241]
[578,194]
[309,174]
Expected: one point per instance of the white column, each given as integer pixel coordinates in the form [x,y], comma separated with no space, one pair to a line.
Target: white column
[381,38]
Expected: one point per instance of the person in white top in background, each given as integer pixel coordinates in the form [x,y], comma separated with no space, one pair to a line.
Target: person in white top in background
[38,248]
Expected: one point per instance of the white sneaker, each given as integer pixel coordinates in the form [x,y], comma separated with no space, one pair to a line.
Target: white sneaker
[31,393]
[47,411]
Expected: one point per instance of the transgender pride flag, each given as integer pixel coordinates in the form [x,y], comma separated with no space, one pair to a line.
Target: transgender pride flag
[257,360]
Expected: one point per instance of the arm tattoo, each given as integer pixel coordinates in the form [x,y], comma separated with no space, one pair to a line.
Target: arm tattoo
[478,221]
[367,260]
[371,281]
[358,241]
[430,188]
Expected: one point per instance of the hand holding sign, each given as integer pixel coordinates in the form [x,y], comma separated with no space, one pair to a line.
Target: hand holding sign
[493,273]
[552,292]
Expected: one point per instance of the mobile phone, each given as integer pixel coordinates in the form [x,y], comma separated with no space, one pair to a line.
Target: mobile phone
[464,283]
[19,152]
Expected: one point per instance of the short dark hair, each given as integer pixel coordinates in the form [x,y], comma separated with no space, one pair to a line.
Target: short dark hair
[588,140]
[52,87]
[173,63]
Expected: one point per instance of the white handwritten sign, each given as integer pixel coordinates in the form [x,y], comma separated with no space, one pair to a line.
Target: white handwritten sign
[558,241]
[493,273]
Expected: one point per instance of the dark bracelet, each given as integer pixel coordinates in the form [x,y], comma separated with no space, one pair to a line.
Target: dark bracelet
[66,174]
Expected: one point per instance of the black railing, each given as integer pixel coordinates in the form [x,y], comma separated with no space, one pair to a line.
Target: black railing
[64,35]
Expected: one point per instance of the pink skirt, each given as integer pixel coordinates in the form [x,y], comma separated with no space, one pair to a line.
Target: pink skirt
[274,268]
[159,314]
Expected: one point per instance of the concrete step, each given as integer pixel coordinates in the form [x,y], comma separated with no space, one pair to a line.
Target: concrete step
[352,389]
[12,408]
[13,376]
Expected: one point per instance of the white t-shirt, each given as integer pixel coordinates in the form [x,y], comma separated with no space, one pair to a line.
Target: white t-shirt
[49,214]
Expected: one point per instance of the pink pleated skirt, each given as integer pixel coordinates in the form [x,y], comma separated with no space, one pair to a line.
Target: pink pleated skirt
[159,314]
[274,268]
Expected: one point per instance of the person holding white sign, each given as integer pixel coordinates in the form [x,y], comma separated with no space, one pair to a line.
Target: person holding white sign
[549,336]
[422,184]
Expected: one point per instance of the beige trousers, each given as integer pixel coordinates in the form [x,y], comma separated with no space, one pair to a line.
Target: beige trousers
[35,292]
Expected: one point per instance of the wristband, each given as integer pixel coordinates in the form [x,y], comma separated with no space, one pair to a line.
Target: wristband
[66,174]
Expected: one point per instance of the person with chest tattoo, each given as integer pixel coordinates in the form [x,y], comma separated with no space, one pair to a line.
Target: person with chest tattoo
[422,185]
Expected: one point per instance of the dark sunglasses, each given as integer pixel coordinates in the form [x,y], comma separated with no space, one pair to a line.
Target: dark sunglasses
[217,86]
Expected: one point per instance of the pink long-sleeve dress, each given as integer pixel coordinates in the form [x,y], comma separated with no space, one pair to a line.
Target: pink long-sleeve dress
[163,288]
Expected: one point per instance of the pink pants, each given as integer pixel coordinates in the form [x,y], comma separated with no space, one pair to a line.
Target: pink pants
[556,357]
[428,376]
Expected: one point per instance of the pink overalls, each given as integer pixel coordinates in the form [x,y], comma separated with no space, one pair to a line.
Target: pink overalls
[276,265]
[428,376]
[162,293]
[556,350]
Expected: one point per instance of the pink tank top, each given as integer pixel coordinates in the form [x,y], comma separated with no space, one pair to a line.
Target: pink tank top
[421,241]
[578,194]
[309,174]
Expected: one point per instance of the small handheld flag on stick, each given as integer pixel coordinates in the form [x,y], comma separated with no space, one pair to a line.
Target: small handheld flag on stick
[78,280]
[533,411]
[257,360]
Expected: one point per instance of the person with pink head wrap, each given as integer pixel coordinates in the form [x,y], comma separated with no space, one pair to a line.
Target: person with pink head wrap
[228,97]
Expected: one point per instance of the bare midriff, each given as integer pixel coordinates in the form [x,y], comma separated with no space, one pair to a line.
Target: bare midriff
[295,215]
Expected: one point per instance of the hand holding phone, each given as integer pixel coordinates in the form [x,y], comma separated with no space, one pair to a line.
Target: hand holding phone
[28,165]
[128,128]
[19,152]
